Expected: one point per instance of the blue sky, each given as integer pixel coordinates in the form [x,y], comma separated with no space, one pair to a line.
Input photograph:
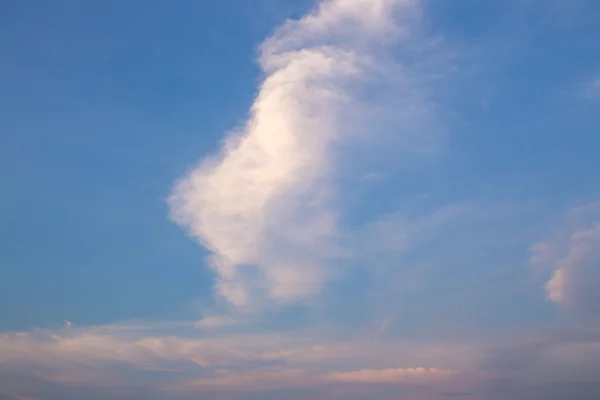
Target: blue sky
[356,199]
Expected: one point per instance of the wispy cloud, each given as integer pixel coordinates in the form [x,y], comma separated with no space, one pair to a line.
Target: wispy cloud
[177,365]
[87,357]
[263,204]
[593,88]
[215,322]
[383,326]
[391,375]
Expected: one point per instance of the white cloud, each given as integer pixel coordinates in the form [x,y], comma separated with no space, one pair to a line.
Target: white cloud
[262,206]
[574,256]
[556,288]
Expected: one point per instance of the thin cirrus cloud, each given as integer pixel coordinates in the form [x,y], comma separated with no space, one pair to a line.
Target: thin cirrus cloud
[177,366]
[263,205]
[215,322]
[593,88]
[391,375]
[259,361]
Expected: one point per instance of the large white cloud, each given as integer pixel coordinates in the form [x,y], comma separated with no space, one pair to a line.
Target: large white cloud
[263,204]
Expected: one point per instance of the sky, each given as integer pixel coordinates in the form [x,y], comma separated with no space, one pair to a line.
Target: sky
[267,199]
